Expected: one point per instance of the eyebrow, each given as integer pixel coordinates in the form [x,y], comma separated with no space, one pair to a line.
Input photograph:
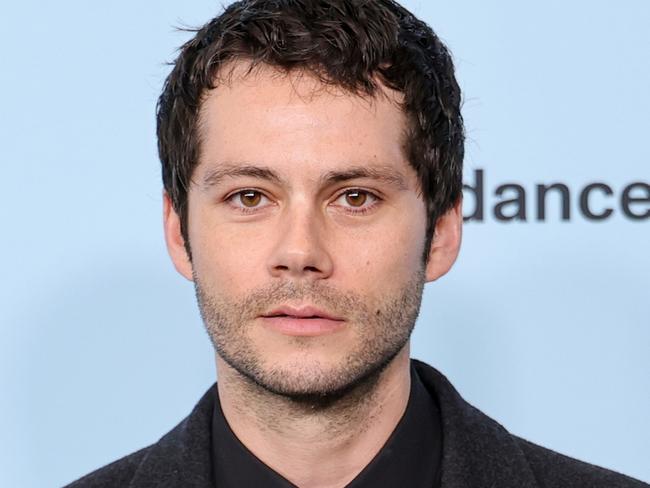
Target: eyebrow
[217,175]
[381,173]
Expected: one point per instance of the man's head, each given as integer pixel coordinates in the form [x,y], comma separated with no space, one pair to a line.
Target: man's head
[310,149]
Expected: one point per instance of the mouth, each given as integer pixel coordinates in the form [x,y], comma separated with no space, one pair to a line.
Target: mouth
[304,321]
[302,312]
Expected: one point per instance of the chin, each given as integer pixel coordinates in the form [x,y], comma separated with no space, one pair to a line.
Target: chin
[314,381]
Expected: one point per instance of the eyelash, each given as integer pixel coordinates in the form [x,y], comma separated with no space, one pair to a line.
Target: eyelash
[359,210]
[243,209]
[349,209]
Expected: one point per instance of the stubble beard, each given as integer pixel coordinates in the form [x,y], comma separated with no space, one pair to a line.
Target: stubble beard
[382,332]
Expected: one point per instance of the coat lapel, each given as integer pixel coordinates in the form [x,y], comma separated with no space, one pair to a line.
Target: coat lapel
[477,452]
[182,457]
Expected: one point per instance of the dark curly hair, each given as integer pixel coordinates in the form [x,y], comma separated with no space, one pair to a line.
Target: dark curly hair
[347,43]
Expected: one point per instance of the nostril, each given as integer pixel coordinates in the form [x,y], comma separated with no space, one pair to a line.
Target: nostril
[309,264]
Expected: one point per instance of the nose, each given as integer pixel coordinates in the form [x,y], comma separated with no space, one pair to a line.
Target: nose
[300,248]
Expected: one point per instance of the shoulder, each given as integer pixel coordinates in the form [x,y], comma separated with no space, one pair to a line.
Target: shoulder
[181,454]
[478,451]
[118,473]
[555,470]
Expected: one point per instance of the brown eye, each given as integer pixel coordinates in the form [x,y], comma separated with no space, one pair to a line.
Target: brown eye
[356,198]
[250,198]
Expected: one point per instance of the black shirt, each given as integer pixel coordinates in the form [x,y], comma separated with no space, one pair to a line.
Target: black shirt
[410,457]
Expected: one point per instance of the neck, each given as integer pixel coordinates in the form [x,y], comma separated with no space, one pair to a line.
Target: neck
[316,446]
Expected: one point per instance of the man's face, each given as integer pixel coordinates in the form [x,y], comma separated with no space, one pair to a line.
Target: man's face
[306,229]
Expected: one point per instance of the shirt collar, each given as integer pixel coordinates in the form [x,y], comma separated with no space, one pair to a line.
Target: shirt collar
[410,456]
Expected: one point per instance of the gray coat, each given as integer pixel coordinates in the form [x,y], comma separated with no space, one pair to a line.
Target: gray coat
[477,453]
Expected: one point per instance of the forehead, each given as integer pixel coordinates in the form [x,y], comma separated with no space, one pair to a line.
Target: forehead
[293,120]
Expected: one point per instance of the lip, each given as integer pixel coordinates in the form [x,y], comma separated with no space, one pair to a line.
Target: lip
[301,312]
[304,321]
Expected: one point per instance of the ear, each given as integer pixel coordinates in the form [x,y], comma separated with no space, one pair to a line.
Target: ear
[174,239]
[446,242]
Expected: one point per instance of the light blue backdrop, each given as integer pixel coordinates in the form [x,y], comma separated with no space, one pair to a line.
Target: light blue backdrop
[544,326]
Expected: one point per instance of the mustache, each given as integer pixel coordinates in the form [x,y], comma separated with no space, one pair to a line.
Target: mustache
[318,294]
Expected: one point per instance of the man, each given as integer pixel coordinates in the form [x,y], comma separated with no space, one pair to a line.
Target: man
[312,163]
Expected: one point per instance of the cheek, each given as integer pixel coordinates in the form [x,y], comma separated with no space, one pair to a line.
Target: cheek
[227,258]
[381,258]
